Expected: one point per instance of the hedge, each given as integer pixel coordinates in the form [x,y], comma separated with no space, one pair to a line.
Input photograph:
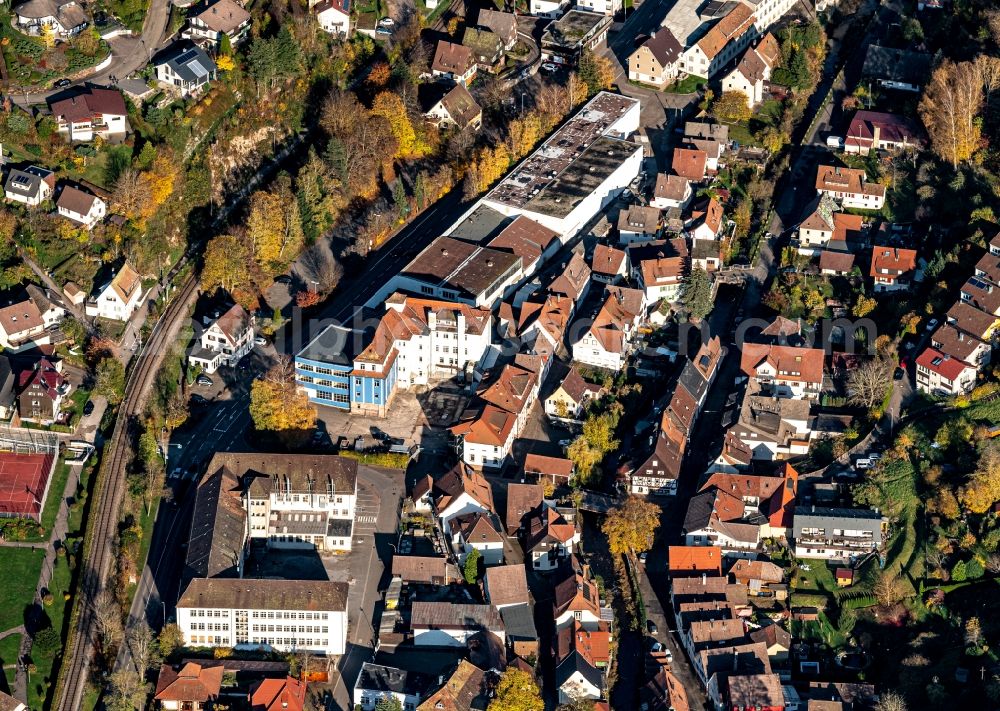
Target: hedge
[856,603]
[390,460]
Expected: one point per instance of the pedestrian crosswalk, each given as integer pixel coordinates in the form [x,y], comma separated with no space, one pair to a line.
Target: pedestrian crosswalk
[366,519]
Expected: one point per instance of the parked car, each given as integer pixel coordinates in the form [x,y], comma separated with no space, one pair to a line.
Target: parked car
[932,324]
[550,67]
[62,83]
[383,31]
[198,400]
[656,648]
[88,408]
[863,463]
[642,556]
[651,627]
[259,341]
[205,381]
[387,22]
[282,279]
[898,374]
[668,654]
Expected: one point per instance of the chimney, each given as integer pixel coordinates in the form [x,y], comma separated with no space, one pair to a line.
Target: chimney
[704,579]
[876,134]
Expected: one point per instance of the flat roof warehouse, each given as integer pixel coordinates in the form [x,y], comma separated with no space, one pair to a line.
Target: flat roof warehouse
[570,143]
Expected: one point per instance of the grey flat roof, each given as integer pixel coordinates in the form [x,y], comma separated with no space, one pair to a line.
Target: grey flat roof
[337,345]
[461,266]
[481,225]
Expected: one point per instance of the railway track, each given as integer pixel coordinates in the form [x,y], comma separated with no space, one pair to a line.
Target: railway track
[99,544]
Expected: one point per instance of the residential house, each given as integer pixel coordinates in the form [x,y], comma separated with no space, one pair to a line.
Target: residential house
[462,490]
[958,344]
[548,538]
[573,281]
[940,374]
[184,68]
[476,531]
[454,62]
[771,496]
[638,224]
[455,108]
[334,16]
[752,74]
[784,371]
[41,390]
[601,7]
[189,686]
[835,263]
[377,682]
[777,640]
[724,40]
[82,207]
[557,471]
[446,624]
[772,427]
[31,186]
[608,341]
[706,254]
[582,656]
[522,499]
[8,392]
[706,221]
[551,9]
[893,268]
[656,61]
[313,616]
[664,692]
[565,40]
[715,517]
[25,323]
[899,69]
[756,692]
[503,24]
[694,561]
[608,264]
[757,575]
[850,186]
[671,191]
[882,132]
[487,48]
[519,626]
[117,298]
[286,694]
[93,113]
[982,294]
[487,436]
[225,338]
[712,633]
[825,226]
[222,17]
[506,585]
[838,533]
[689,163]
[425,570]
[9,703]
[715,665]
[969,319]
[50,18]
[660,269]
[571,399]
[577,600]
[466,688]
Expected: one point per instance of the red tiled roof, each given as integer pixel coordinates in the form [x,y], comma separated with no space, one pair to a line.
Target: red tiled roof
[694,560]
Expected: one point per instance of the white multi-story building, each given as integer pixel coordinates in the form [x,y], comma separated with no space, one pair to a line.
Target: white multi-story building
[117,299]
[224,340]
[301,501]
[284,615]
[377,682]
[97,113]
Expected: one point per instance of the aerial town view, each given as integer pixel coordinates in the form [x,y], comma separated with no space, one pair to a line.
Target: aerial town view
[499,355]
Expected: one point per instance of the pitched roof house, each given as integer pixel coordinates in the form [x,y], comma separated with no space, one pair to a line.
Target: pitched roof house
[850,186]
[453,61]
[656,61]
[288,694]
[572,397]
[504,24]
[30,186]
[881,131]
[191,686]
[892,268]
[608,265]
[91,114]
[456,108]
[465,690]
[670,191]
[506,585]
[689,163]
[118,298]
[784,371]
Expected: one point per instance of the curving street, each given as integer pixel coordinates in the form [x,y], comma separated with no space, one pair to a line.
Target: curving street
[129,54]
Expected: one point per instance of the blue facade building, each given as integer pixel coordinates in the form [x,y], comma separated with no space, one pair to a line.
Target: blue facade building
[337,369]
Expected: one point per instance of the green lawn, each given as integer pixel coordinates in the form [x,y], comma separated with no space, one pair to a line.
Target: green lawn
[9,648]
[687,85]
[58,611]
[21,567]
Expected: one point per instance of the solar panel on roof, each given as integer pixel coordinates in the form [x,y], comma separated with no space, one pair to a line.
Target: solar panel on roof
[198,69]
[979,283]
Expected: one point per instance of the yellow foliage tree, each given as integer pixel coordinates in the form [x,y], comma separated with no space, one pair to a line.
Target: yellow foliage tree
[492,162]
[524,133]
[631,526]
[950,110]
[517,691]
[266,229]
[390,106]
[225,63]
[864,306]
[277,406]
[732,106]
[227,264]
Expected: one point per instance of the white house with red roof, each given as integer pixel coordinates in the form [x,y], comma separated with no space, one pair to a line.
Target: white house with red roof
[549,538]
[459,492]
[609,264]
[94,113]
[334,17]
[670,191]
[881,131]
[850,186]
[477,531]
[941,374]
[487,437]
[608,341]
[785,371]
[40,392]
[892,268]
